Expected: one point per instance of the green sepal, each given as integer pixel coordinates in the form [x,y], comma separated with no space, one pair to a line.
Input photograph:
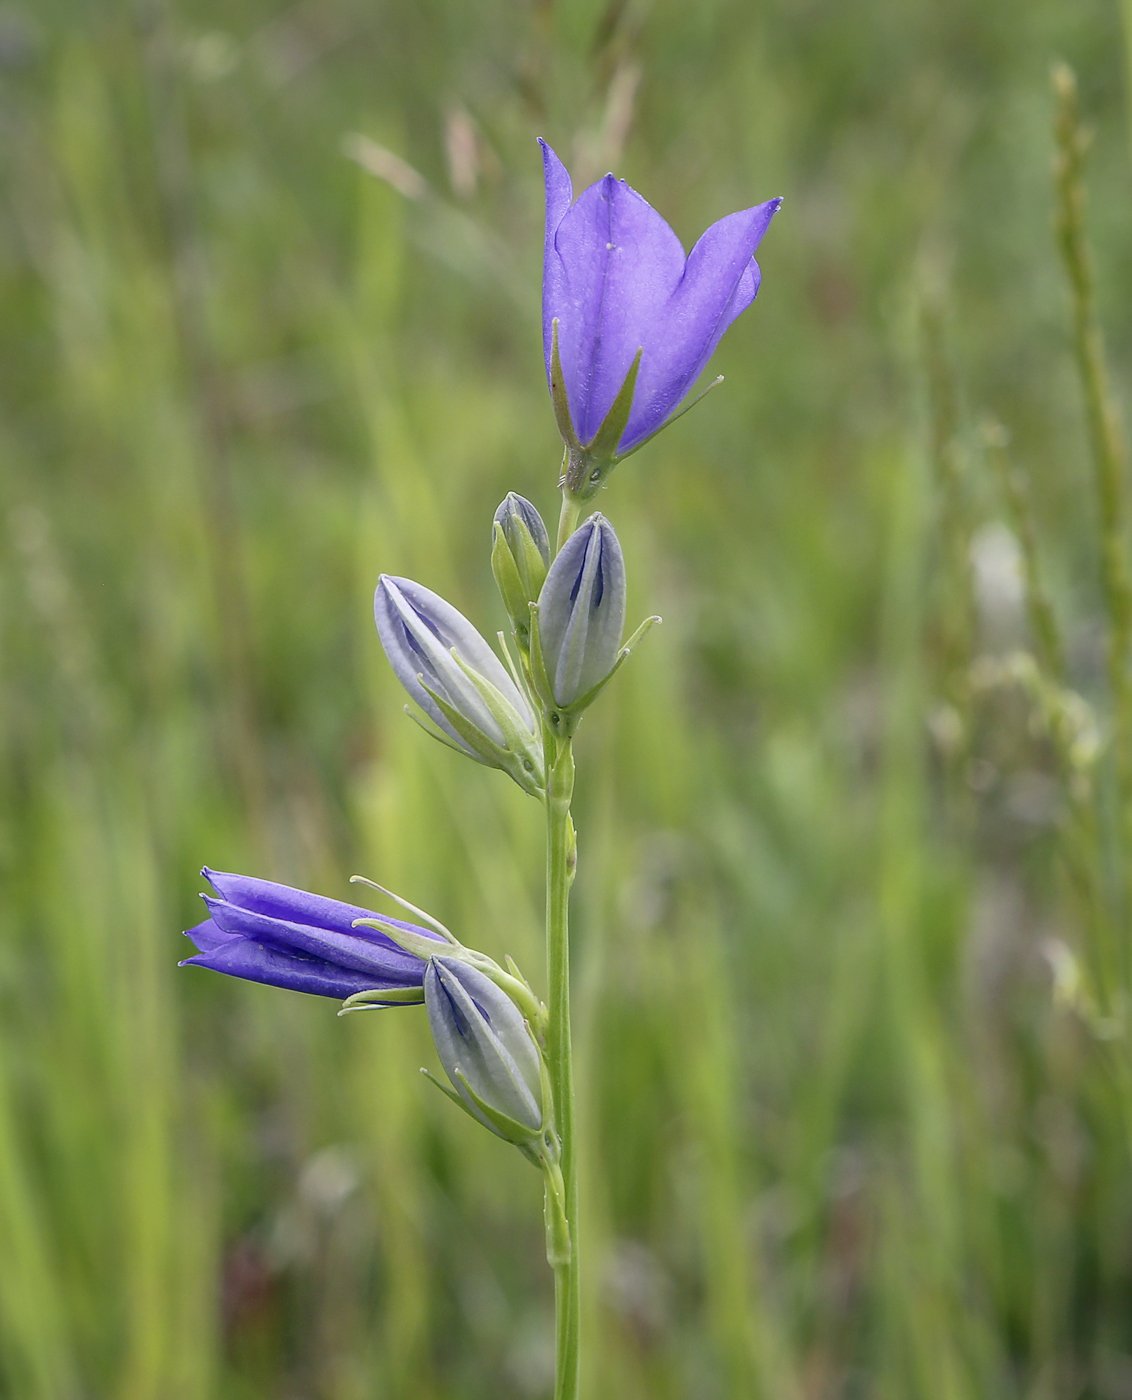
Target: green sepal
[525,1148]
[422,914]
[520,742]
[668,422]
[443,738]
[558,393]
[519,674]
[451,1094]
[563,719]
[524,998]
[503,1123]
[378,997]
[539,678]
[603,448]
[587,466]
[415,943]
[519,573]
[507,580]
[583,702]
[591,463]
[485,750]
[512,981]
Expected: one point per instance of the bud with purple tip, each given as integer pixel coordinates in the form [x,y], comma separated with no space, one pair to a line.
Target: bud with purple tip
[520,557]
[486,1048]
[581,614]
[456,678]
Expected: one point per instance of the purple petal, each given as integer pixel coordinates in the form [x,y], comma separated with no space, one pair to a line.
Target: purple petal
[559,197]
[207,936]
[241,957]
[721,280]
[613,267]
[283,902]
[384,961]
[300,907]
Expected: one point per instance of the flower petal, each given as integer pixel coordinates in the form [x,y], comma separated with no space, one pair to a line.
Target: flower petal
[721,280]
[255,962]
[615,264]
[382,964]
[559,197]
[298,906]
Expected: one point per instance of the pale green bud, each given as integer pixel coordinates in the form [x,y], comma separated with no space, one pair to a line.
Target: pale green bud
[520,557]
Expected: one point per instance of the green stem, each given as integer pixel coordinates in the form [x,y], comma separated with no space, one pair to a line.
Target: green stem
[568,519]
[1109,454]
[560,856]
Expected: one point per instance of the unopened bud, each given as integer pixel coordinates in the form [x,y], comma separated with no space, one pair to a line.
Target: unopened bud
[520,557]
[581,612]
[456,678]
[486,1049]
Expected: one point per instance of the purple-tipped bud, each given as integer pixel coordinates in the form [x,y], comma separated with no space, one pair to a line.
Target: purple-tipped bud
[520,557]
[581,611]
[456,678]
[520,521]
[485,1048]
[628,320]
[264,932]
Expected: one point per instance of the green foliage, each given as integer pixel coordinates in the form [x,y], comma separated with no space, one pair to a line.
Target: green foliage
[852,923]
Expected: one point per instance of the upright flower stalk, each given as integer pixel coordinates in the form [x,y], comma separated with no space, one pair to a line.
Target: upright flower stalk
[561,856]
[629,323]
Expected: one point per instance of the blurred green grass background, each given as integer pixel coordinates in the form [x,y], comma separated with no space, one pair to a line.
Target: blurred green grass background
[855,1097]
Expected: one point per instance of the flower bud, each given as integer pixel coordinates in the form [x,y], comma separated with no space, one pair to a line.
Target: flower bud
[520,557]
[581,612]
[456,678]
[485,1048]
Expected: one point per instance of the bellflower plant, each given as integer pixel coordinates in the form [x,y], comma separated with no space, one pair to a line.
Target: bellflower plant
[629,322]
[264,932]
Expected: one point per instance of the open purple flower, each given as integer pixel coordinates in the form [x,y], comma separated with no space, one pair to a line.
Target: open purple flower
[284,937]
[629,321]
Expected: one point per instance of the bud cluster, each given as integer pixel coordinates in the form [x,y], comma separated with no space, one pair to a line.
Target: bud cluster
[567,616]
